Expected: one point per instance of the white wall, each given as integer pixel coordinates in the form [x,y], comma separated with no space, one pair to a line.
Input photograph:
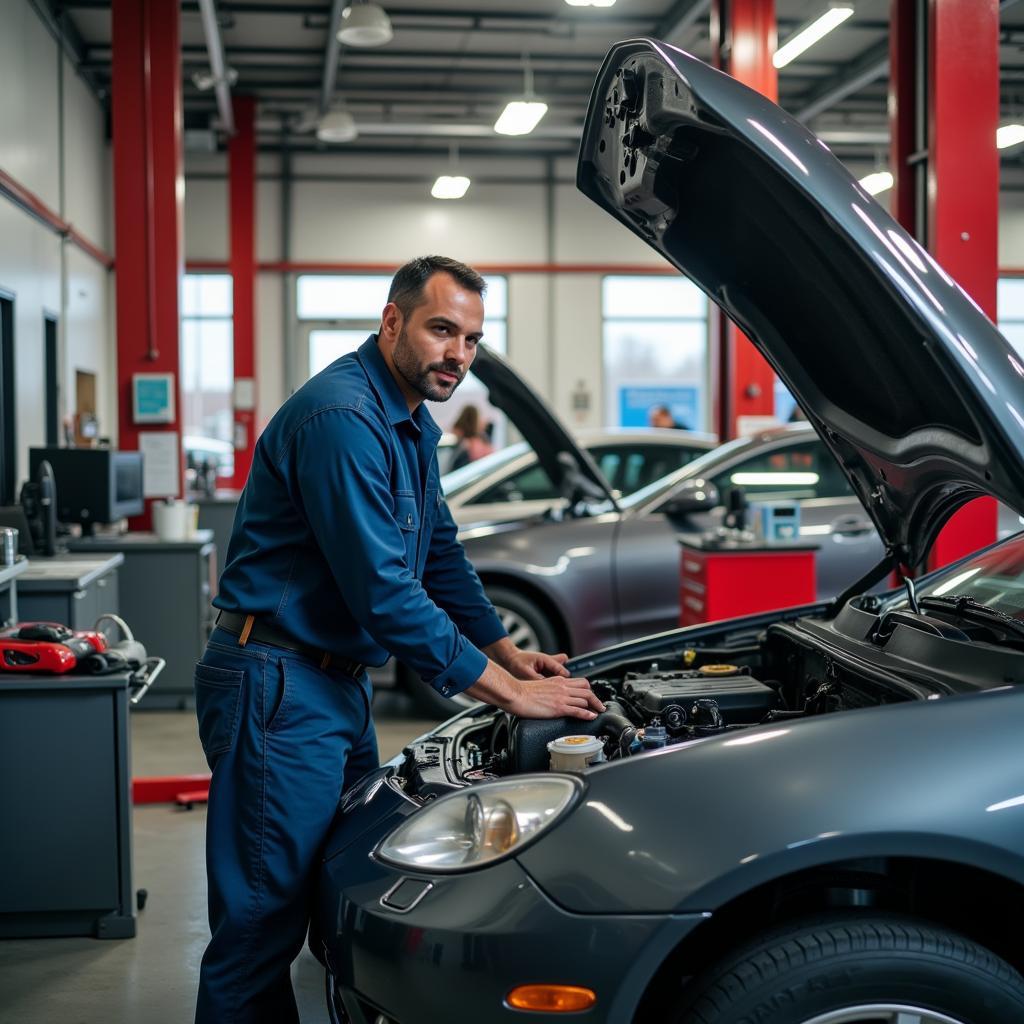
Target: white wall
[555,321]
[79,294]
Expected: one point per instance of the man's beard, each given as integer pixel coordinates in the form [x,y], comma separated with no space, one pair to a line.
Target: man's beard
[418,377]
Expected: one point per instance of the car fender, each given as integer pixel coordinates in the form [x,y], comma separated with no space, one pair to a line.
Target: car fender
[687,829]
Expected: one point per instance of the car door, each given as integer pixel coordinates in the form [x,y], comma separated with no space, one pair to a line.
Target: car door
[521,491]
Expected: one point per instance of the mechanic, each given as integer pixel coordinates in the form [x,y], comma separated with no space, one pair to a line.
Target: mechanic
[343,553]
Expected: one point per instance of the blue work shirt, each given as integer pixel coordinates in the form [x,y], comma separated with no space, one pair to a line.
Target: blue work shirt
[343,539]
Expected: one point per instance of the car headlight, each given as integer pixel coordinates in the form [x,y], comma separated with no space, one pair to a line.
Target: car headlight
[479,825]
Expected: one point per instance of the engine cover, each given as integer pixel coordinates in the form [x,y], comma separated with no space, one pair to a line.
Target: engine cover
[741,698]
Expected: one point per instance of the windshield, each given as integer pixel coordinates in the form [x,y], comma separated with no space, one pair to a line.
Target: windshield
[994,578]
[459,479]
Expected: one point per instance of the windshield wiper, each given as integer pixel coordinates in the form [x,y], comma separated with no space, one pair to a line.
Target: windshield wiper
[969,608]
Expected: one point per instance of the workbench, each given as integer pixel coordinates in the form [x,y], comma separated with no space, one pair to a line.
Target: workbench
[217,513]
[9,590]
[65,804]
[166,590]
[74,589]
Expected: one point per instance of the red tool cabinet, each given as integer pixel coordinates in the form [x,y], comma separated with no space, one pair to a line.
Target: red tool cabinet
[720,580]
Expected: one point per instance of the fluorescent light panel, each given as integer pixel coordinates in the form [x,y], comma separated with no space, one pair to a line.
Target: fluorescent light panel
[806,38]
[520,117]
[450,186]
[1009,135]
[590,3]
[877,182]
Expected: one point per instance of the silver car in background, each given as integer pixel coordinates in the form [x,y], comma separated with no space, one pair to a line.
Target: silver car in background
[512,483]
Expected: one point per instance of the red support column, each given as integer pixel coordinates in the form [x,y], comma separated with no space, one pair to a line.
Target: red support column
[960,196]
[242,262]
[743,39]
[148,194]
[963,191]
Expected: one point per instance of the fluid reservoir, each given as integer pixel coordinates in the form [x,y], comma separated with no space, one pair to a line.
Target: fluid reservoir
[574,753]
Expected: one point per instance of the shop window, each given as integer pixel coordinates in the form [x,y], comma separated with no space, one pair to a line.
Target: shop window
[1010,311]
[655,341]
[207,372]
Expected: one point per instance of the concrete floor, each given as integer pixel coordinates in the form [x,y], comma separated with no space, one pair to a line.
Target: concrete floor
[152,978]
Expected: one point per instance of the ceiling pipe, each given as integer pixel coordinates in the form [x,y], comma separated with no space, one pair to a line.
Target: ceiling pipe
[331,56]
[211,31]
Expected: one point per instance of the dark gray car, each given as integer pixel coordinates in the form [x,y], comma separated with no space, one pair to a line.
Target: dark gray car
[805,817]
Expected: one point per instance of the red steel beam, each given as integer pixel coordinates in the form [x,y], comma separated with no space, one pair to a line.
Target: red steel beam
[148,196]
[744,41]
[963,191]
[242,262]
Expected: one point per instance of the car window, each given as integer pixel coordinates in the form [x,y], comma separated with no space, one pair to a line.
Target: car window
[458,479]
[530,484]
[793,472]
[628,467]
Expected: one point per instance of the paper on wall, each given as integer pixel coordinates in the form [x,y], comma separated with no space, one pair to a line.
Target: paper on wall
[160,463]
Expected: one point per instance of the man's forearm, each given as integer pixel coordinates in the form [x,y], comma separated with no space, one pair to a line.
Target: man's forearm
[501,651]
[495,686]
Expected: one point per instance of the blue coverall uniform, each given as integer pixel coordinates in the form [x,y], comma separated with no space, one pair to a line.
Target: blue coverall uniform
[344,543]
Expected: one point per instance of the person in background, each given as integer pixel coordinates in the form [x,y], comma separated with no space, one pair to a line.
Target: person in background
[661,416]
[473,441]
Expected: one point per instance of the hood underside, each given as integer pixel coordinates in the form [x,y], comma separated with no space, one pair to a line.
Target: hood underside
[908,383]
[570,467]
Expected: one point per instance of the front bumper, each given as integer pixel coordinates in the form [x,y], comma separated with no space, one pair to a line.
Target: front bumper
[472,938]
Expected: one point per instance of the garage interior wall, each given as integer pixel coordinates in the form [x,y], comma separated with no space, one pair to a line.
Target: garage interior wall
[362,221]
[52,142]
[555,326]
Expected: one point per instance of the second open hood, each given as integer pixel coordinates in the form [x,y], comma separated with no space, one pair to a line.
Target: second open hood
[556,450]
[909,384]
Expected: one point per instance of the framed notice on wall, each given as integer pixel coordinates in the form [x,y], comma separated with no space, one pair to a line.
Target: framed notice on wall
[153,397]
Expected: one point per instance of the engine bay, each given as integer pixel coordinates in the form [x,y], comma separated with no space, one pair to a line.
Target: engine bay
[792,670]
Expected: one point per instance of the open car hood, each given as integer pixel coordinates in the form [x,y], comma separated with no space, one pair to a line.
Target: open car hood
[569,466]
[908,383]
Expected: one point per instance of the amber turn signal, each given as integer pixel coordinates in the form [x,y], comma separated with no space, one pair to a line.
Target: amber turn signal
[551,998]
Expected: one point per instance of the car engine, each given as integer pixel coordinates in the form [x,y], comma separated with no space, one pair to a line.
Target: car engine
[792,670]
[652,709]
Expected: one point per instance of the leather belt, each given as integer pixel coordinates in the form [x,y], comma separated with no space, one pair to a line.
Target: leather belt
[248,627]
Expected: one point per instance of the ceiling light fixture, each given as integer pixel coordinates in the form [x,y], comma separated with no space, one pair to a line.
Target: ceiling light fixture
[812,33]
[365,24]
[520,117]
[337,126]
[1009,135]
[590,3]
[451,185]
[876,182]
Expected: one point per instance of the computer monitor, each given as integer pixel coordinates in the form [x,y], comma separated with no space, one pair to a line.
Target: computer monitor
[94,485]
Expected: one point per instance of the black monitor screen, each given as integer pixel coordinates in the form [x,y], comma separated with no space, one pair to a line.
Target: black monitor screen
[128,482]
[94,485]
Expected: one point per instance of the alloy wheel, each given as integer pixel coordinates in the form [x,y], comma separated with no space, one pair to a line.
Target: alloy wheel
[520,632]
[882,1013]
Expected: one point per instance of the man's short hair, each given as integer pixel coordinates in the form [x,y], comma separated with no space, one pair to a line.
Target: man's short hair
[406,290]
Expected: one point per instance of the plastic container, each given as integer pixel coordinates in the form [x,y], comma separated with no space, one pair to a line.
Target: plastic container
[172,520]
[574,753]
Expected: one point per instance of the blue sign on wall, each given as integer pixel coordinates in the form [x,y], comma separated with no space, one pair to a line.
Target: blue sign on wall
[637,400]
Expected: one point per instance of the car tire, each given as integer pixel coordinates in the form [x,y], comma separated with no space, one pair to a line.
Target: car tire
[882,970]
[523,620]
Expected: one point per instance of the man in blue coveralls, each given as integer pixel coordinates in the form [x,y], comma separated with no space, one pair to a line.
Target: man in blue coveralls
[343,553]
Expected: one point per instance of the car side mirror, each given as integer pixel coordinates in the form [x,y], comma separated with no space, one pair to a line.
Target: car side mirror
[692,496]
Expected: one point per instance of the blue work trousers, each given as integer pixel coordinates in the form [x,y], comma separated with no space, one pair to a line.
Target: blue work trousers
[283,738]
